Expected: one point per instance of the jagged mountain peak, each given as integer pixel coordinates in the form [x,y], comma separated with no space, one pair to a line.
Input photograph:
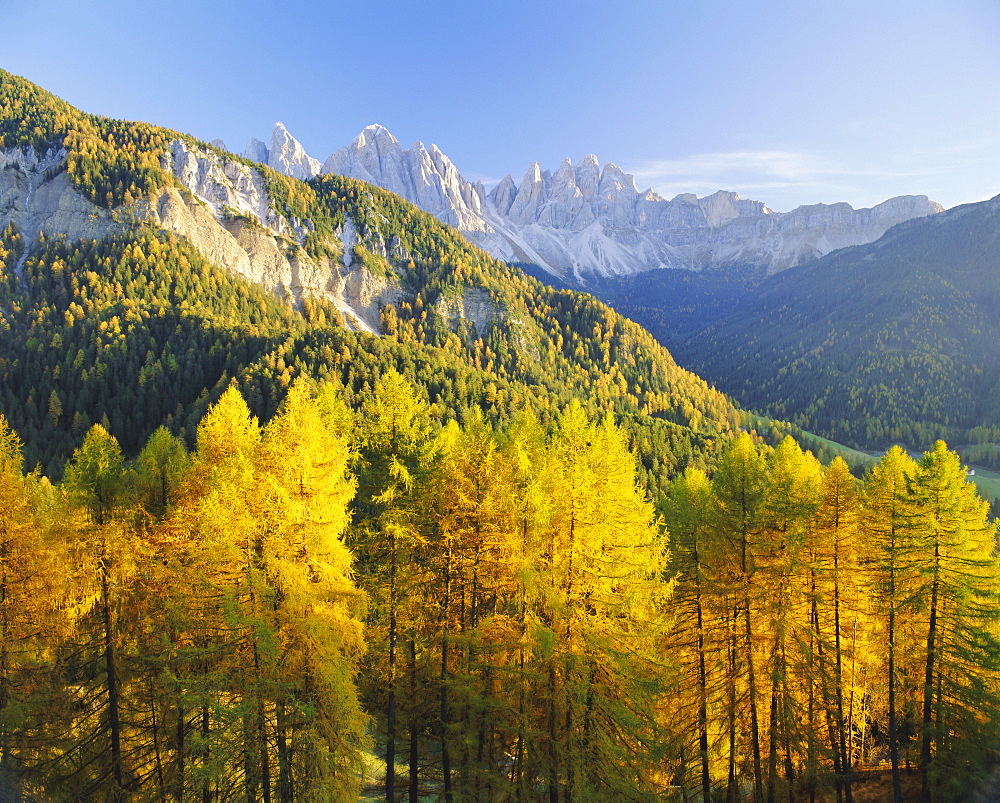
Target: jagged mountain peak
[533,172]
[375,133]
[591,218]
[287,155]
[256,150]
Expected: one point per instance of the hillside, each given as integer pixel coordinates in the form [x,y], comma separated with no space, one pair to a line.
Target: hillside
[891,342]
[163,268]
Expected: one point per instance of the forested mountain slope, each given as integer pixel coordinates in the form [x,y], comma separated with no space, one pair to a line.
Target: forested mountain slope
[125,258]
[891,342]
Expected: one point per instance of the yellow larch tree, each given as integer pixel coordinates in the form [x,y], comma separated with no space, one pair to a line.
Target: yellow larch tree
[34,590]
[319,729]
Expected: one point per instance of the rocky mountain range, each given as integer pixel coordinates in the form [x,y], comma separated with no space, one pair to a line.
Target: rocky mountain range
[588,220]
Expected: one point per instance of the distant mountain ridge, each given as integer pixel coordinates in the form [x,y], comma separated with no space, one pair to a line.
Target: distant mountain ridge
[889,342]
[587,221]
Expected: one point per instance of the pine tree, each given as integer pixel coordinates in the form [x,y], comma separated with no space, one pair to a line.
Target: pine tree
[33,583]
[791,498]
[738,487]
[227,685]
[319,728]
[689,508]
[599,602]
[471,525]
[955,556]
[98,764]
[161,468]
[394,451]
[889,520]
[835,574]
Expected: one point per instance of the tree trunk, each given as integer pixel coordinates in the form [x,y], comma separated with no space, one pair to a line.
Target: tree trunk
[706,782]
[732,783]
[445,615]
[206,789]
[925,732]
[110,667]
[284,756]
[414,789]
[179,739]
[897,783]
[265,759]
[758,776]
[845,759]
[390,715]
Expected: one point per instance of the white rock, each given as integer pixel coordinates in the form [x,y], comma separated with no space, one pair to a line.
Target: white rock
[222,209]
[587,219]
[287,156]
[256,151]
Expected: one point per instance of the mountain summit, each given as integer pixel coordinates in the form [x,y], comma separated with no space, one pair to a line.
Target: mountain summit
[586,220]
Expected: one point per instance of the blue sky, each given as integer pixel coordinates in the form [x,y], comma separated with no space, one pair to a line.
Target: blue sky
[785,102]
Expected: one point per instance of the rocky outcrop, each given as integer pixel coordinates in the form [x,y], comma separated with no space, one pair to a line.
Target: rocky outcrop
[474,306]
[286,154]
[36,195]
[425,177]
[220,205]
[588,219]
[229,217]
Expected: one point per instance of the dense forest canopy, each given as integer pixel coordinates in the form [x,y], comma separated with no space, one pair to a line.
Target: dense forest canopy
[497,611]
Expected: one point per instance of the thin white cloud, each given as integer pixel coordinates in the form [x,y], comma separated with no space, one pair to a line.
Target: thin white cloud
[786,178]
[488,181]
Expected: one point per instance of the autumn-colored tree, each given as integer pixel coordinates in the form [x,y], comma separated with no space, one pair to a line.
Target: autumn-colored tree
[837,598]
[738,487]
[471,523]
[696,639]
[597,601]
[33,589]
[791,498]
[318,726]
[889,522]
[394,450]
[96,763]
[954,554]
[231,602]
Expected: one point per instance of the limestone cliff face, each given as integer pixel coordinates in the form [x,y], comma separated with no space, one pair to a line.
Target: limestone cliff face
[37,196]
[474,306]
[221,207]
[227,214]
